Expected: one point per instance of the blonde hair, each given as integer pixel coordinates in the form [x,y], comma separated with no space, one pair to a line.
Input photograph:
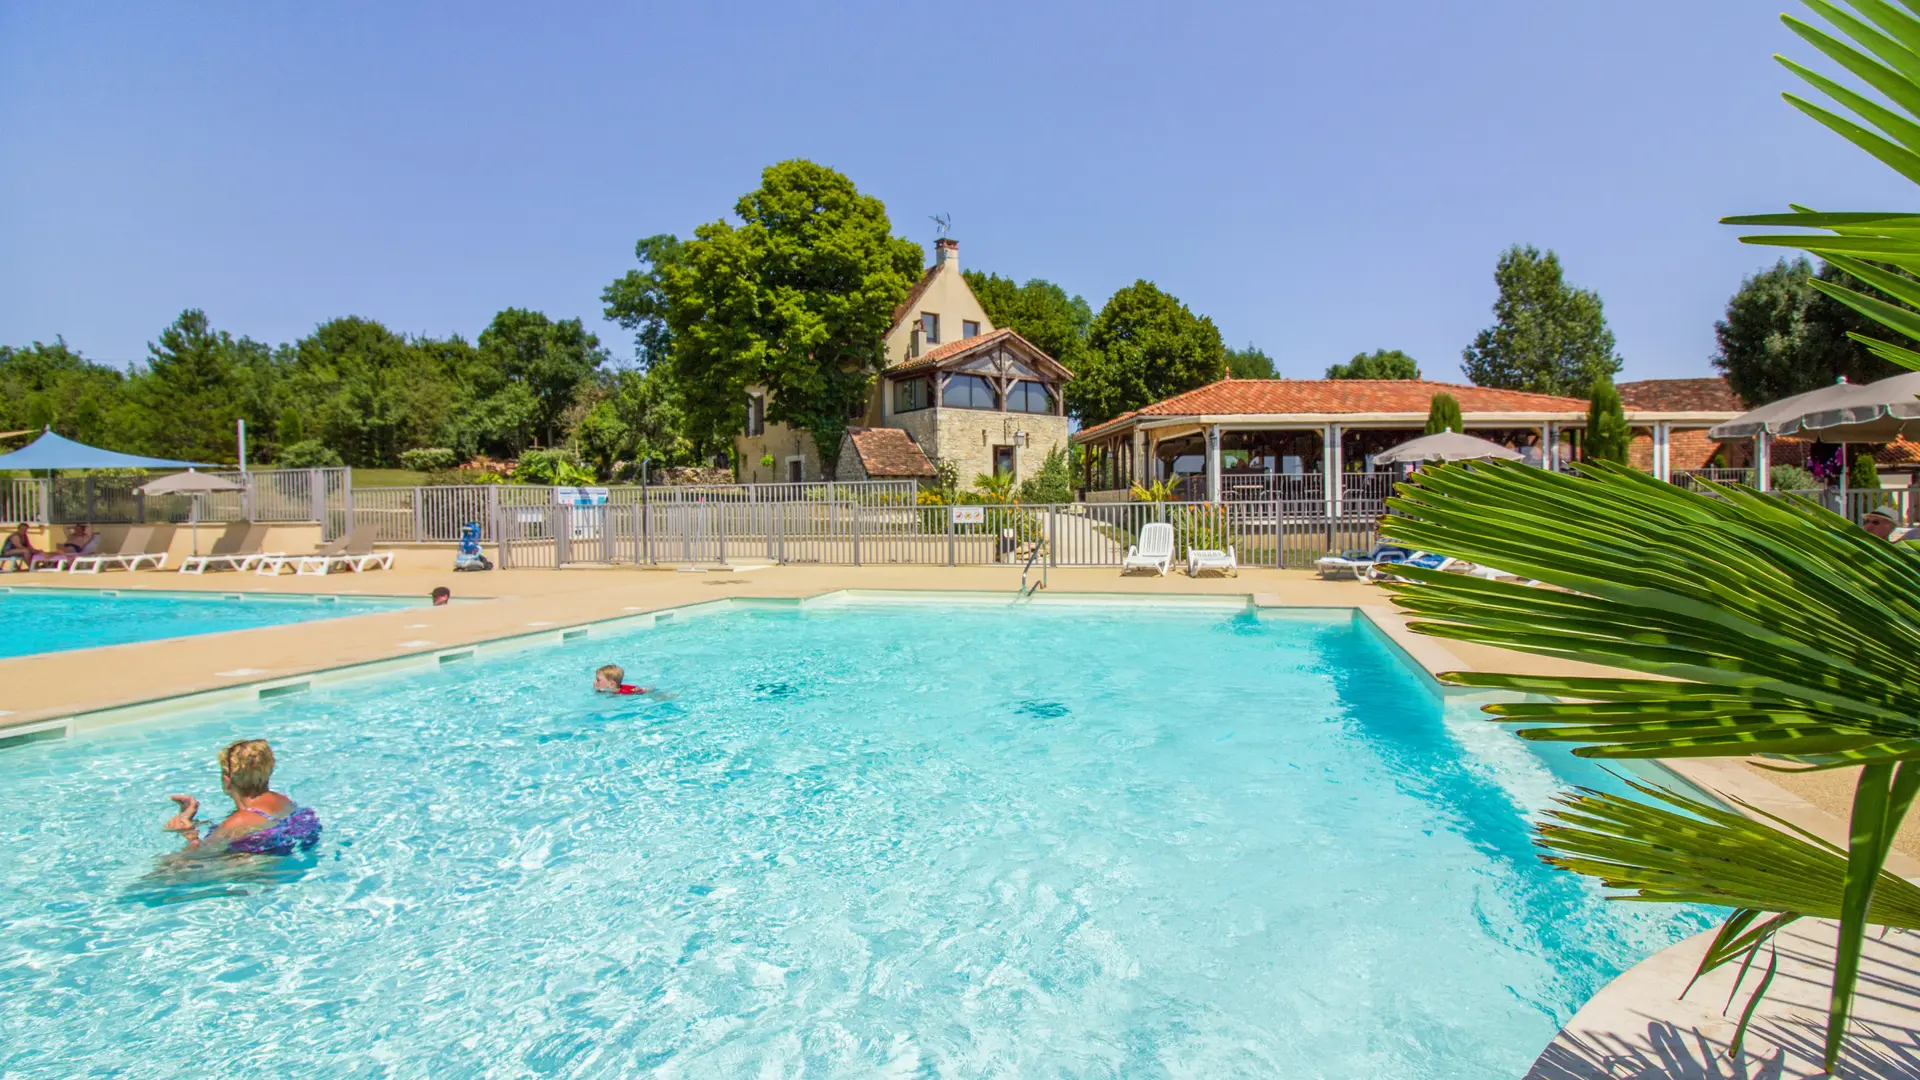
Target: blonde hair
[612,671]
[246,766]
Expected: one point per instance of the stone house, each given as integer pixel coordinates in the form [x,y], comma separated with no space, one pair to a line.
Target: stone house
[955,389]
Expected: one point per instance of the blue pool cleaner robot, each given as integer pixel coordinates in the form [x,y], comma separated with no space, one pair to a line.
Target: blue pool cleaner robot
[470,557]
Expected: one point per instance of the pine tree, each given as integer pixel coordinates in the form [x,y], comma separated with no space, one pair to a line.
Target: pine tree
[1443,414]
[1607,433]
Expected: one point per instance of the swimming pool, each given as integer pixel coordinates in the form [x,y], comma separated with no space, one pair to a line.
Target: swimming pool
[882,840]
[34,621]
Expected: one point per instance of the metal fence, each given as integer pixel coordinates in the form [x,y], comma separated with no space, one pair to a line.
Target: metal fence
[112,498]
[845,532]
[436,514]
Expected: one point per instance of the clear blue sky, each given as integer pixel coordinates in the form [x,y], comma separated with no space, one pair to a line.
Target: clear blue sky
[1319,178]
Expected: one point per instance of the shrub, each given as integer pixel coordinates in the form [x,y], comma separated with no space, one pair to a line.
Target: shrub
[1863,474]
[550,467]
[1792,478]
[429,459]
[1053,483]
[309,454]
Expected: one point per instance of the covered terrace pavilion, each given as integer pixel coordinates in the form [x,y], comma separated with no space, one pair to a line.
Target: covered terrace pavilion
[1314,439]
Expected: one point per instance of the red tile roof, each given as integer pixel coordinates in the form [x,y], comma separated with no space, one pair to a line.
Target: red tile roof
[889,452]
[1680,395]
[1273,397]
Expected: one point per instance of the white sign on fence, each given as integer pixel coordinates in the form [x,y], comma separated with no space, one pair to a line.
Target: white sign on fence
[969,515]
[579,496]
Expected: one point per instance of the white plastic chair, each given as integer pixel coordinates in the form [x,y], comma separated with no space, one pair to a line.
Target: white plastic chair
[1154,552]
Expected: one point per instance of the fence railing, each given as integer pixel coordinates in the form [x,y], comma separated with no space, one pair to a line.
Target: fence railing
[1275,534]
[113,498]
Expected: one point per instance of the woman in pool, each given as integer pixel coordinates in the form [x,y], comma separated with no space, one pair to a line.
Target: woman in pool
[263,822]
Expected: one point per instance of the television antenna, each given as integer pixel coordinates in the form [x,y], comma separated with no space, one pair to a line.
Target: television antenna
[945,222]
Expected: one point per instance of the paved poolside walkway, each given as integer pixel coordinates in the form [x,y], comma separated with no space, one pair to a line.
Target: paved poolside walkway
[1634,1028]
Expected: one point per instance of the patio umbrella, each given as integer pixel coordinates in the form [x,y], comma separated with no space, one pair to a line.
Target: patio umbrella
[1877,412]
[194,484]
[1446,446]
[1768,419]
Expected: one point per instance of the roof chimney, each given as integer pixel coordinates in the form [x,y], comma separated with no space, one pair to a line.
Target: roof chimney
[946,252]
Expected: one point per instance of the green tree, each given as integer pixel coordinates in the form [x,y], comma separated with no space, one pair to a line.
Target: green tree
[1782,336]
[638,301]
[1607,436]
[1378,364]
[1250,363]
[196,383]
[551,360]
[1443,414]
[1547,337]
[292,428]
[51,385]
[367,392]
[1144,346]
[796,299]
[1039,311]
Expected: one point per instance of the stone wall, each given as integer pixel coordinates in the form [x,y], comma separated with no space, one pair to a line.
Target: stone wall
[966,437]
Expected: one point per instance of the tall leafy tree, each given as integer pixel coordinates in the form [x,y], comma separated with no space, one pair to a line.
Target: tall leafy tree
[796,298]
[1607,435]
[1039,311]
[1443,414]
[367,392]
[1250,363]
[196,383]
[1782,336]
[1145,345]
[1547,337]
[52,385]
[638,301]
[552,361]
[1378,364]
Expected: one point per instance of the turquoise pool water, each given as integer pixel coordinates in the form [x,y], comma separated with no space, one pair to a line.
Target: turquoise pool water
[893,841]
[55,620]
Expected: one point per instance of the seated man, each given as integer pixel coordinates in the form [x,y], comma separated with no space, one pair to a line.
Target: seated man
[81,540]
[17,550]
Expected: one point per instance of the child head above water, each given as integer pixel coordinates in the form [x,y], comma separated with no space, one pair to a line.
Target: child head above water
[609,677]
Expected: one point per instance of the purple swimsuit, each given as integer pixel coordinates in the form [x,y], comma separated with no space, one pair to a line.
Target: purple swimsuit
[298,831]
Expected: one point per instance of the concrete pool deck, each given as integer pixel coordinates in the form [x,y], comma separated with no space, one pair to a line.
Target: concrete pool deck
[1636,1021]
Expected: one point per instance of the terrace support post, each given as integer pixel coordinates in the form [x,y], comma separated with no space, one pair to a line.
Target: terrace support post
[1763,460]
[1213,463]
[1140,474]
[1662,462]
[1550,447]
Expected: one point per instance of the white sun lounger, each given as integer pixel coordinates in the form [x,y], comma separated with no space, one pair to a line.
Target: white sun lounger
[235,550]
[358,556]
[1200,560]
[136,547]
[1154,552]
[1359,563]
[271,565]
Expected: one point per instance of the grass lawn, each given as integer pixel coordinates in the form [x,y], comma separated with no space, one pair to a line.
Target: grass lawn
[377,478]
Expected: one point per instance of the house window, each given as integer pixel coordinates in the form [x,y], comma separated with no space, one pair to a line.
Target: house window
[1029,397]
[930,328]
[1002,460]
[756,414]
[968,392]
[969,328]
[911,395]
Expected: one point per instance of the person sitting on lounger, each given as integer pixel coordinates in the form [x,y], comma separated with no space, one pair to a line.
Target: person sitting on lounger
[80,540]
[17,550]
[263,822]
[1883,521]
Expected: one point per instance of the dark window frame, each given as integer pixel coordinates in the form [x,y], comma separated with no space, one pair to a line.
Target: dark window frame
[979,381]
[930,327]
[1013,464]
[925,395]
[1046,397]
[756,414]
[969,328]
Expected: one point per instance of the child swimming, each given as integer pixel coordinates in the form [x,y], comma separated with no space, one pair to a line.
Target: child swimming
[263,822]
[609,679]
